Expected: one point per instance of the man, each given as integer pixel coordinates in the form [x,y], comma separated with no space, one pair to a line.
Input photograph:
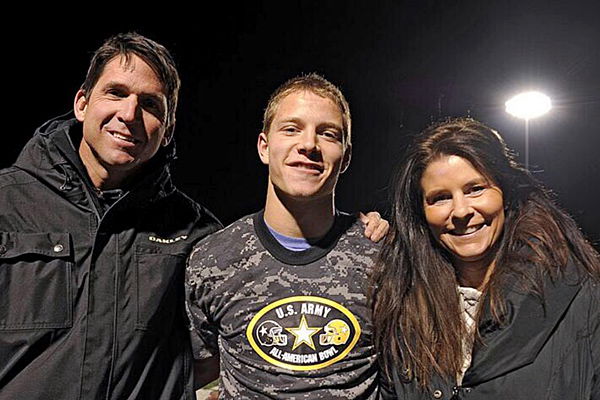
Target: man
[279,295]
[93,241]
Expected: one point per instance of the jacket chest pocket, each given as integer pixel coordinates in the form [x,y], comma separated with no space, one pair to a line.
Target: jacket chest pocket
[35,279]
[159,286]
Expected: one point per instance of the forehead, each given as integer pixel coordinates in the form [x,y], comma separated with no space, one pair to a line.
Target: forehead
[131,71]
[307,104]
[449,170]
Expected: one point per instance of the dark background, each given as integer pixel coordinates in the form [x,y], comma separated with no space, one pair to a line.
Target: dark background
[401,65]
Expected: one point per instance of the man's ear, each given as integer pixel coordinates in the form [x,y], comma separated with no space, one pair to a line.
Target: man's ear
[80,105]
[347,158]
[263,148]
[168,135]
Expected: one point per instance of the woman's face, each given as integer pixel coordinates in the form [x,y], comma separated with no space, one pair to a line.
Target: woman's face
[464,210]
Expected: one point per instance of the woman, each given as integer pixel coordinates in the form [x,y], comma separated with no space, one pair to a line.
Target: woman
[485,289]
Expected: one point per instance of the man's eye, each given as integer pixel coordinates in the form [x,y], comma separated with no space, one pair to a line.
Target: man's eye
[290,129]
[150,104]
[116,92]
[331,135]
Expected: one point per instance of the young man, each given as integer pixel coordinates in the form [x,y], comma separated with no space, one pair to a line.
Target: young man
[93,241]
[279,295]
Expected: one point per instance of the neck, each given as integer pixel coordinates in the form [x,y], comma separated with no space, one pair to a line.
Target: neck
[307,218]
[101,177]
[475,274]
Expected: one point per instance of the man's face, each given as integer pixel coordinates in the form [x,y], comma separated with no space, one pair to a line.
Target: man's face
[304,147]
[123,117]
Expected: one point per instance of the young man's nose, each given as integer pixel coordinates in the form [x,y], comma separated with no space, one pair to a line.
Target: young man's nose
[309,145]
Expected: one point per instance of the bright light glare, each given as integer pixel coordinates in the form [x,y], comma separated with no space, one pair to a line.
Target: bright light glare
[528,105]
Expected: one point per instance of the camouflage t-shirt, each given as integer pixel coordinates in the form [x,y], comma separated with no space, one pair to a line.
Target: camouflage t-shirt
[286,324]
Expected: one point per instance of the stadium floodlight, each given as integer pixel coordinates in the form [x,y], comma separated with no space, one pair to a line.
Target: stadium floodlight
[528,105]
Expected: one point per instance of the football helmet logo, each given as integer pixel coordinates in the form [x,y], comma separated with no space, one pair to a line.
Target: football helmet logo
[269,333]
[336,332]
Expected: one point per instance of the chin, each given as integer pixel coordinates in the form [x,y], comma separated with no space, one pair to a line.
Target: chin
[301,192]
[470,256]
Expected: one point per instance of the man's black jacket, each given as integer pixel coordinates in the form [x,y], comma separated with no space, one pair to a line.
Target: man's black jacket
[91,293]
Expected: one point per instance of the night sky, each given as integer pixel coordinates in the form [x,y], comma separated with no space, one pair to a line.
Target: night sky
[400,64]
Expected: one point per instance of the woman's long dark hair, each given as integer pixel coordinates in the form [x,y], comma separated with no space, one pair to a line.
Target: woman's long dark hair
[416,314]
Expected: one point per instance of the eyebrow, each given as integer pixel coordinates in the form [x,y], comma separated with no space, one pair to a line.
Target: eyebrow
[472,182]
[119,85]
[291,119]
[331,125]
[299,121]
[115,84]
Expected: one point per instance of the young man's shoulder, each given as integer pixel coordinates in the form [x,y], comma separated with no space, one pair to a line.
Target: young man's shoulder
[225,246]
[353,237]
[240,236]
[226,237]
[239,245]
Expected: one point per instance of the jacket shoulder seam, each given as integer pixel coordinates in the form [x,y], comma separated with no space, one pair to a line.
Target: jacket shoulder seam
[14,176]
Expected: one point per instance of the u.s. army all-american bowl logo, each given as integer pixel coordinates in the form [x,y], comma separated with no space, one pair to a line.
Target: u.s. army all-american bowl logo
[303,333]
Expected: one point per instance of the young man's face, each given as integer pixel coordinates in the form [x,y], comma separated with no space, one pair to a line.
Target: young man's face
[123,117]
[304,147]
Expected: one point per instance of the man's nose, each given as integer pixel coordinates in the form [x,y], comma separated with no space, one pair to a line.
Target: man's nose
[129,109]
[308,142]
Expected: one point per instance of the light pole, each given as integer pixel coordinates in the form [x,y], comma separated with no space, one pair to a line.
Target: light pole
[528,105]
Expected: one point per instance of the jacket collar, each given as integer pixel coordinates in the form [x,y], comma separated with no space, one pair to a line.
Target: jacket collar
[529,323]
[51,155]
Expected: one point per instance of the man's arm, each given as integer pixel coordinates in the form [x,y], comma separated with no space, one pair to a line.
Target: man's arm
[203,333]
[375,226]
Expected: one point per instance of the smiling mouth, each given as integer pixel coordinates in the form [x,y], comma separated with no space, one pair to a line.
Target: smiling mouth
[466,231]
[125,138]
[307,166]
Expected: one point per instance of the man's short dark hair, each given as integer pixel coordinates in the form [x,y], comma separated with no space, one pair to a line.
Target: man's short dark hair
[154,54]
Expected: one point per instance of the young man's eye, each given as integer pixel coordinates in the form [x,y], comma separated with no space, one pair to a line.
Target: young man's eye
[331,135]
[290,129]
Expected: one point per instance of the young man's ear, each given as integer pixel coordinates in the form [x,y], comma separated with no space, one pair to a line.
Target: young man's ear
[263,148]
[347,158]
[80,105]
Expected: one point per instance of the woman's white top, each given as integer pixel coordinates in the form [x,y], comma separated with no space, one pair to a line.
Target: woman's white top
[469,302]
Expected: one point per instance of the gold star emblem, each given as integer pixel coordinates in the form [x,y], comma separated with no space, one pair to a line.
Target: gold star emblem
[303,334]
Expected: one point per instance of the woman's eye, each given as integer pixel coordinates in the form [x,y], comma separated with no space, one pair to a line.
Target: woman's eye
[476,189]
[440,198]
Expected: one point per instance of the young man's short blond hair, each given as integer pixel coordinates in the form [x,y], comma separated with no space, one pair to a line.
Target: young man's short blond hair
[318,85]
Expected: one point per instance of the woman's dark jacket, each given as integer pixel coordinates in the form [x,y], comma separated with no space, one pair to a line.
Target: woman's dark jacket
[91,291]
[546,350]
